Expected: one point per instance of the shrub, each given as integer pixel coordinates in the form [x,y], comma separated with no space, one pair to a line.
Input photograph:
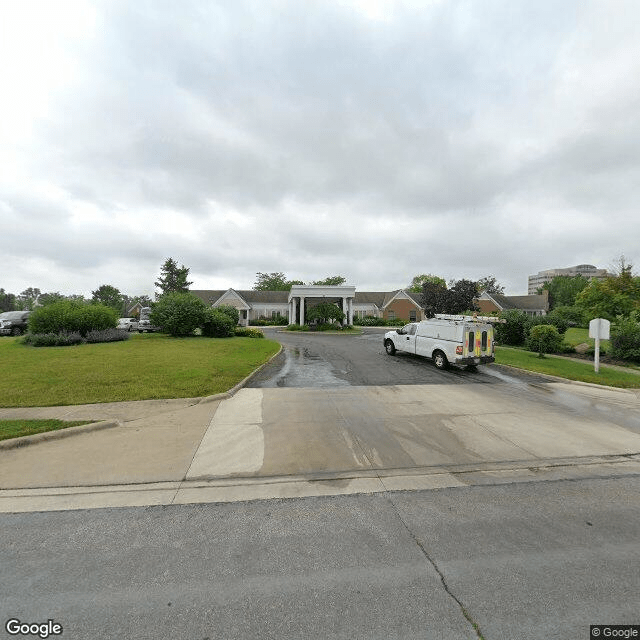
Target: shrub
[179,314]
[298,327]
[217,324]
[370,321]
[68,316]
[514,332]
[573,316]
[64,339]
[398,322]
[232,312]
[245,332]
[544,338]
[625,339]
[107,335]
[557,321]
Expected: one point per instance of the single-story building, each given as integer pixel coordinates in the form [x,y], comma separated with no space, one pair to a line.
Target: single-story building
[533,305]
[257,305]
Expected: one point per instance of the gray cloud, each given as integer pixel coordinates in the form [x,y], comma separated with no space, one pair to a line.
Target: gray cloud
[458,138]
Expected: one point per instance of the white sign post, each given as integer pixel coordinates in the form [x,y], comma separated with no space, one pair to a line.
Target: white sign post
[598,329]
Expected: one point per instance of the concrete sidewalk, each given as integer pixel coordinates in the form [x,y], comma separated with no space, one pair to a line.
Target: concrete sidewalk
[154,441]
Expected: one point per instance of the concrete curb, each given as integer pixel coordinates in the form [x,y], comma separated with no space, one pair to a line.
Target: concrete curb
[241,384]
[568,381]
[58,434]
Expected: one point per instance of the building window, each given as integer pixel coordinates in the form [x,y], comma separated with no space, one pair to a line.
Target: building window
[391,314]
[412,316]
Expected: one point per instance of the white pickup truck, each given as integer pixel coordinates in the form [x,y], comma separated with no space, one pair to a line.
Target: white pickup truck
[462,340]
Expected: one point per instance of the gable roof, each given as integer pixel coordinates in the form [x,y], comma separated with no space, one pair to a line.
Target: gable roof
[210,296]
[526,303]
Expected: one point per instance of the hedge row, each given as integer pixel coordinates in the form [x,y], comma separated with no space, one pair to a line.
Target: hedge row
[66,339]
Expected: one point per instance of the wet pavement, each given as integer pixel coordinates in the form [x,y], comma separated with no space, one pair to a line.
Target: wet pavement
[321,361]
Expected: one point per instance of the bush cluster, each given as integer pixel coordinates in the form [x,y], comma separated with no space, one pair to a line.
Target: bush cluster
[179,314]
[544,338]
[218,324]
[246,332]
[371,321]
[625,338]
[277,321]
[70,338]
[67,316]
[298,327]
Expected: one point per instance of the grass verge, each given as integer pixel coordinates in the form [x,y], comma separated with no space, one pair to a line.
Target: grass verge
[149,366]
[580,371]
[19,428]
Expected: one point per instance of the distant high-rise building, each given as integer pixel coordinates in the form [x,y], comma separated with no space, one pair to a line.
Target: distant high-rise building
[586,270]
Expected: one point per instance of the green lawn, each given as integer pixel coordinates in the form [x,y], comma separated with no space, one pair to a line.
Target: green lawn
[582,371]
[19,428]
[575,336]
[146,366]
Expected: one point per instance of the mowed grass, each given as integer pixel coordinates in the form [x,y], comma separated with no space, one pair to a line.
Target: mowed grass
[19,428]
[581,371]
[145,367]
[575,336]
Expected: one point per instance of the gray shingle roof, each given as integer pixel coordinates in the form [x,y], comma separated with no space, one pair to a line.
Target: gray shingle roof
[531,303]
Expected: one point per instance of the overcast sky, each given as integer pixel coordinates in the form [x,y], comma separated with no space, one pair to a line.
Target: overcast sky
[369,138]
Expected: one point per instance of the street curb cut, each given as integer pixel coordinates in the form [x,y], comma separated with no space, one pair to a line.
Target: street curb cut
[15,443]
[242,383]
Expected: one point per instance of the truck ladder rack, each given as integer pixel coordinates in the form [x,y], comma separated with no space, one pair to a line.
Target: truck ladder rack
[474,318]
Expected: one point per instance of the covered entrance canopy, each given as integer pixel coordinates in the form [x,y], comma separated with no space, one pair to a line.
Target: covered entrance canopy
[305,294]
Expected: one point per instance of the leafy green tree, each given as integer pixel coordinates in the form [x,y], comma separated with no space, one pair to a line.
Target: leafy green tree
[179,314]
[564,289]
[172,279]
[109,296]
[275,281]
[615,296]
[7,301]
[460,296]
[331,281]
[419,281]
[26,300]
[324,312]
[574,316]
[50,298]
[490,285]
[435,297]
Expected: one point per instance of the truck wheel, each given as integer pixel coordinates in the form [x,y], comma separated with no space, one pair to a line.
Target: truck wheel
[440,360]
[16,331]
[390,347]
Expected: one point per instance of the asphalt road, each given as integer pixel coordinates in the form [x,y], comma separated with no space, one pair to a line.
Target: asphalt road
[321,360]
[519,561]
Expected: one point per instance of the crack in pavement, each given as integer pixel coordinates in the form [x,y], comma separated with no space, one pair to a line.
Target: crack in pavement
[435,566]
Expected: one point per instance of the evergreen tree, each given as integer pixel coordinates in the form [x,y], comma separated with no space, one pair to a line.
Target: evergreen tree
[172,279]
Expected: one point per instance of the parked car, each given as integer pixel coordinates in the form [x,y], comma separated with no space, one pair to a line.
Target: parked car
[128,324]
[13,323]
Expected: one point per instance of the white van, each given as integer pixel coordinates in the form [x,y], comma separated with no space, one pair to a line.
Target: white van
[462,340]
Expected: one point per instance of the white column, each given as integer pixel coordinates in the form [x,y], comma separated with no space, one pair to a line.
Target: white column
[290,315]
[344,310]
[301,309]
[350,307]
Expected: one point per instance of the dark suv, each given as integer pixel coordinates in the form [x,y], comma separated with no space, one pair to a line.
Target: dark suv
[13,323]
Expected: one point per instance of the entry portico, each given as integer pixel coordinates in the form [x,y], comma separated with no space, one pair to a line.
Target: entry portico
[300,294]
